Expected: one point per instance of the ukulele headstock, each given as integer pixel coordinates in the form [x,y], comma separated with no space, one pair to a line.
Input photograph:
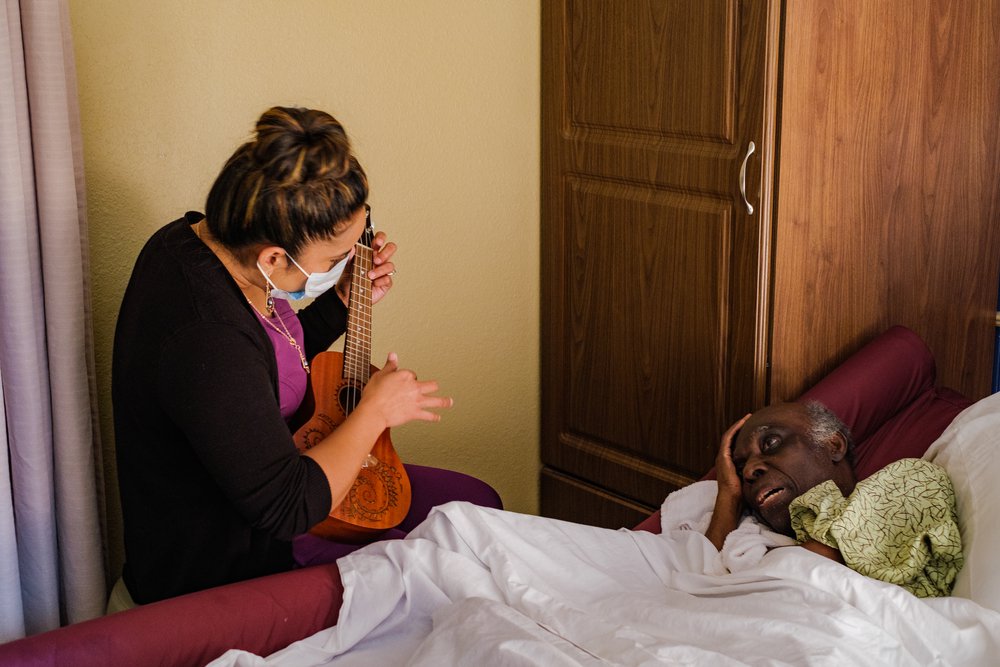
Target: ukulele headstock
[368,235]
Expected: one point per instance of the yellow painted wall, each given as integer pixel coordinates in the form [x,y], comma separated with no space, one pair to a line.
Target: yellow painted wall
[441,98]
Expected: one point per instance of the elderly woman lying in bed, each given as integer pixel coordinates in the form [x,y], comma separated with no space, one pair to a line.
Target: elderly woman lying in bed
[791,465]
[480,586]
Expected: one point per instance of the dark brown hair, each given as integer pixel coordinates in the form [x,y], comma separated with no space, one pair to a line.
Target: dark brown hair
[295,182]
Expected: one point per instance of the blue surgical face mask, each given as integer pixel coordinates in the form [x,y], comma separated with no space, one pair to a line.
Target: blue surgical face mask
[316,283]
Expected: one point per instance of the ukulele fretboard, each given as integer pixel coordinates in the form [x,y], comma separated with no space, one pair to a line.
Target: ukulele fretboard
[358,337]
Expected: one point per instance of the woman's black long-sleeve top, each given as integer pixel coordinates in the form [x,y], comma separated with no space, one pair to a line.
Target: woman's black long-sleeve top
[212,486]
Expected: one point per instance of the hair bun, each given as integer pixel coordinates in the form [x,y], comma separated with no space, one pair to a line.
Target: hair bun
[294,146]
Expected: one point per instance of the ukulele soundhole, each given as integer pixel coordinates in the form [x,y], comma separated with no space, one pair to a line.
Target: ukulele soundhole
[349,396]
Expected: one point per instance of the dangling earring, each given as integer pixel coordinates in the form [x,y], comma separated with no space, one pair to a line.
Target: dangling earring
[268,299]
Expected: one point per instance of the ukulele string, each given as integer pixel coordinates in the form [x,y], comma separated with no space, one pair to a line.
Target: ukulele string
[359,273]
[361,290]
[363,293]
[357,289]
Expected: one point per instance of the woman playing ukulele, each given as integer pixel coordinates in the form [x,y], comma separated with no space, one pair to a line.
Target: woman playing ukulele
[210,361]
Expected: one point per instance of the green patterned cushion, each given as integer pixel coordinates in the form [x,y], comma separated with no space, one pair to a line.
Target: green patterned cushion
[899,525]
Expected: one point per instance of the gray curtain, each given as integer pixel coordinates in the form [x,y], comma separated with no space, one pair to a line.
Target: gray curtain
[51,560]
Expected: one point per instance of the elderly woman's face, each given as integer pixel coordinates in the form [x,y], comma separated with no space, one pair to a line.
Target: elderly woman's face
[779,461]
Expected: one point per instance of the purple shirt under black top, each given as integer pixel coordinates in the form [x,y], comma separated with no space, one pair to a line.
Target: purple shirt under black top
[292,377]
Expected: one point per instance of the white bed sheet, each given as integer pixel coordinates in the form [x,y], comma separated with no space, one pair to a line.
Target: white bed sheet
[475,586]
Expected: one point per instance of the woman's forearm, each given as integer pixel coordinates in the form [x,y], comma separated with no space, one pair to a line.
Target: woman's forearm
[725,518]
[341,453]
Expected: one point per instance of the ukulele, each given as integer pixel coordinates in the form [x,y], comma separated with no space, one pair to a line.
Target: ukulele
[379,499]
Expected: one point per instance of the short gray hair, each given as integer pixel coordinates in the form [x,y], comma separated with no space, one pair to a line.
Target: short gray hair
[825,425]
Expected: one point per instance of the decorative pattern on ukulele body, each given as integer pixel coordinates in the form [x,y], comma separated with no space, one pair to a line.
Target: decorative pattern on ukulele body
[364,498]
[311,436]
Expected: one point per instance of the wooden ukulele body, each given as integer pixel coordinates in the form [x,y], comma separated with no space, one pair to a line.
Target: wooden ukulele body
[380,496]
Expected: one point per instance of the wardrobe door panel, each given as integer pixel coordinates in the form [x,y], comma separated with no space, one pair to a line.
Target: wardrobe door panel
[667,68]
[646,321]
[567,498]
[889,205]
[654,274]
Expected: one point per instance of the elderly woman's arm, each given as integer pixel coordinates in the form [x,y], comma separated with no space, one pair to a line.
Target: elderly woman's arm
[823,550]
[729,500]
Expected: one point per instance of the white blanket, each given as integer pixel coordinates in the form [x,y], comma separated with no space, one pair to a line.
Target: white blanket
[474,586]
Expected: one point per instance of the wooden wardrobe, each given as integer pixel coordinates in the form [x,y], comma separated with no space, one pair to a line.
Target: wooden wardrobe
[736,195]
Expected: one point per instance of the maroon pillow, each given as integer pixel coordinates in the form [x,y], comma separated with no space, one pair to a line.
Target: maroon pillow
[885,394]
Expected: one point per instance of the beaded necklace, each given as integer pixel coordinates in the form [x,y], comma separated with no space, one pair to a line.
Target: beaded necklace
[270,307]
[283,331]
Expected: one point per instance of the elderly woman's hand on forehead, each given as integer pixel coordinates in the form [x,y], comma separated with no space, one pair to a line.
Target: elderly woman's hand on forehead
[725,470]
[729,498]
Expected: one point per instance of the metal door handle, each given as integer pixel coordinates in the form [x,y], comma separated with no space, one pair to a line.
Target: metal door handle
[743,177]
